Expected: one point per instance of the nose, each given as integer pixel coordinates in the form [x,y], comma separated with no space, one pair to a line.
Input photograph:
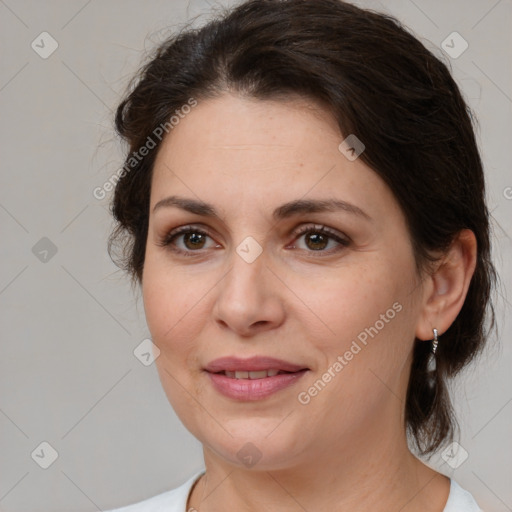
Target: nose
[249,298]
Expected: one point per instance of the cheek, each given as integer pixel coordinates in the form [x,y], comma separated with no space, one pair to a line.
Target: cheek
[175,314]
[350,299]
[375,327]
[174,305]
[370,322]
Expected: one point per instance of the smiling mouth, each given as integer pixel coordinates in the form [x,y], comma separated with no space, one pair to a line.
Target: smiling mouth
[252,384]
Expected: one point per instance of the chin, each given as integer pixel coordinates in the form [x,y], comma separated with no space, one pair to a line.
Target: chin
[261,450]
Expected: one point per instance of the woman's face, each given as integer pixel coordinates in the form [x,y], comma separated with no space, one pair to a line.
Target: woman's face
[259,279]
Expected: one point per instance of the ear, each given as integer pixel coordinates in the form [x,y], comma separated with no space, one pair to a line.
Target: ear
[446,288]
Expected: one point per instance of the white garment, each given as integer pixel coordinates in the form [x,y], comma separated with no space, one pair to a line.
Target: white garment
[175,500]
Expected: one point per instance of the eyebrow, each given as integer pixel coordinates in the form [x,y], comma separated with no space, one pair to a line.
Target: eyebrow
[284,211]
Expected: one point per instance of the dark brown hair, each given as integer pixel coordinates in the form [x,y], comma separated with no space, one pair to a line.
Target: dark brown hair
[381,84]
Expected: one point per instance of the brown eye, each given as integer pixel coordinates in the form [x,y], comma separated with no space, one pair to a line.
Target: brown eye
[187,240]
[194,240]
[316,241]
[318,238]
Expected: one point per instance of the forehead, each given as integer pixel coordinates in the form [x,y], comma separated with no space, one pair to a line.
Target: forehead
[238,151]
[243,128]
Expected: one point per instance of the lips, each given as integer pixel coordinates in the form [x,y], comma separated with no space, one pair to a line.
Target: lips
[256,367]
[253,379]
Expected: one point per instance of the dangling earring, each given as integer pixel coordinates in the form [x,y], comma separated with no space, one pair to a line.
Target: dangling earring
[431,365]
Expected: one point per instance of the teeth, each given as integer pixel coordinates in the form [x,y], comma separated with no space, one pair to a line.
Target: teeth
[252,375]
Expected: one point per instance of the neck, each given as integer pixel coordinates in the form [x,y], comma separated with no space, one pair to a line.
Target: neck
[359,477]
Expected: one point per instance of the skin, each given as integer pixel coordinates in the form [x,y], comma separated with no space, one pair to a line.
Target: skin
[346,449]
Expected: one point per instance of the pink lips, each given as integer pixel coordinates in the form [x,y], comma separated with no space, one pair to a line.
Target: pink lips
[252,389]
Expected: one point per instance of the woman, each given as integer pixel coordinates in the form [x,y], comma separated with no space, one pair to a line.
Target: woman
[303,206]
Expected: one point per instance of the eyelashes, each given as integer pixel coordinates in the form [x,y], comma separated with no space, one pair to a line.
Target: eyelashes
[326,234]
[191,234]
[168,240]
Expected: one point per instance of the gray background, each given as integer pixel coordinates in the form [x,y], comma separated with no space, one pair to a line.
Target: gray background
[69,320]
